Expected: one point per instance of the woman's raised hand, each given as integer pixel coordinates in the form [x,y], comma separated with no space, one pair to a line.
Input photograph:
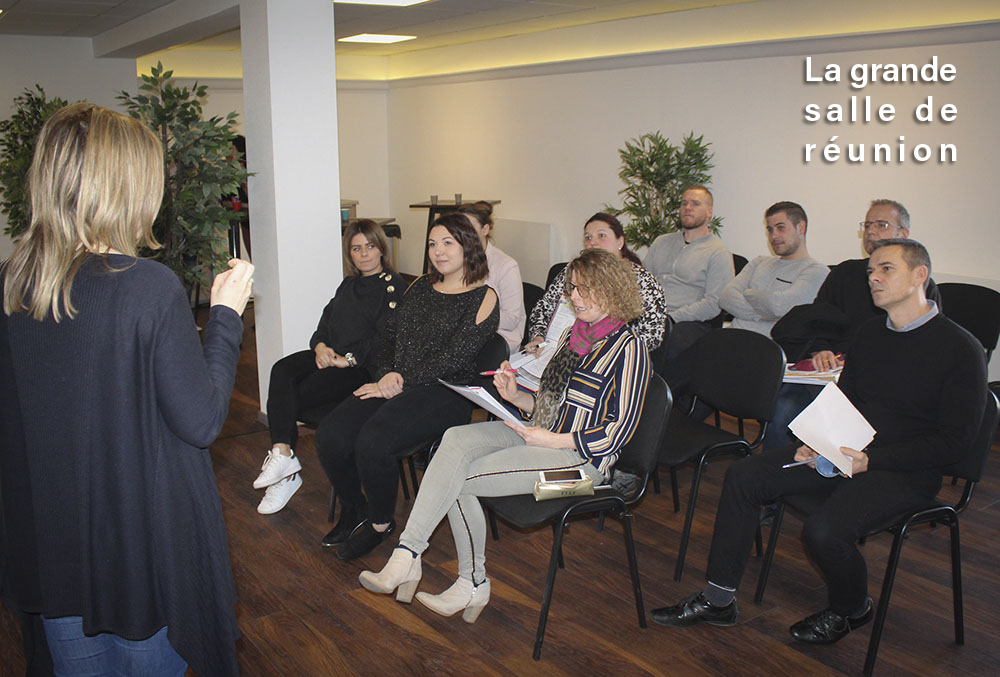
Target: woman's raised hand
[232,287]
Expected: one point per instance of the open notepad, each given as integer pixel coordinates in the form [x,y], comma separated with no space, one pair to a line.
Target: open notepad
[482,398]
[530,367]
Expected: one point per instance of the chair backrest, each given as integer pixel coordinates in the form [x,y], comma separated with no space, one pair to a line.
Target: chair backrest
[553,271]
[739,263]
[975,308]
[971,467]
[738,372]
[639,455]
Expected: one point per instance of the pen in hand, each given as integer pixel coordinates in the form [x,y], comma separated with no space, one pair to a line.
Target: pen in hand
[792,465]
[493,372]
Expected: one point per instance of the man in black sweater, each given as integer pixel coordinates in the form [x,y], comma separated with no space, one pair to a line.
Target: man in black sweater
[920,380]
[824,328]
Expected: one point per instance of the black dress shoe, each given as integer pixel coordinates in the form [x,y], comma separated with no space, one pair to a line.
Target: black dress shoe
[696,609]
[342,530]
[828,626]
[363,541]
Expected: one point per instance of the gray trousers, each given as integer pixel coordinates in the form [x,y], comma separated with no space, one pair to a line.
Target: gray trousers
[482,459]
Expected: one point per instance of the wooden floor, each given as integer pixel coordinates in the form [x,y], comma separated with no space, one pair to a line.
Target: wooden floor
[302,612]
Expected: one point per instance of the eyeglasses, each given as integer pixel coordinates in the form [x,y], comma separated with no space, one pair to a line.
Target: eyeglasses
[880,226]
[570,287]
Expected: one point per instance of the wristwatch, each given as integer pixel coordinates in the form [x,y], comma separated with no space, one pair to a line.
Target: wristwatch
[350,359]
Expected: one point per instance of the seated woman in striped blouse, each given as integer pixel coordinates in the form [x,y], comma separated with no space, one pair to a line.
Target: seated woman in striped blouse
[588,404]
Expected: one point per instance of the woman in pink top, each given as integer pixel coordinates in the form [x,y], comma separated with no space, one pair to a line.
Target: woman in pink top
[504,276]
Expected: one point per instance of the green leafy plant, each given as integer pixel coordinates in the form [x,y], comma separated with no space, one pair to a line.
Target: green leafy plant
[656,173]
[18,135]
[200,168]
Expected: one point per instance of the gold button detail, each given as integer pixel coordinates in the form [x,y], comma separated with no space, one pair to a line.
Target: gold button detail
[390,289]
[392,304]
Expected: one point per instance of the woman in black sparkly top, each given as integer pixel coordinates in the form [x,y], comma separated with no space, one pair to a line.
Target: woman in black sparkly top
[440,326]
[340,358]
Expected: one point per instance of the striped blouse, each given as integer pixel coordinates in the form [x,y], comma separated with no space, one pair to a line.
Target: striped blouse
[603,400]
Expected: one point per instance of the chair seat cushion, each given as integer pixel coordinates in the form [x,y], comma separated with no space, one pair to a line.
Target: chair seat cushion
[806,504]
[686,438]
[524,511]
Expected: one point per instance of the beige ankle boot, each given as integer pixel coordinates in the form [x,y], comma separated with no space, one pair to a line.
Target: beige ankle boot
[461,595]
[402,571]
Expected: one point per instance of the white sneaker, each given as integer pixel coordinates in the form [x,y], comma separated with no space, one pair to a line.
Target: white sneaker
[277,495]
[276,467]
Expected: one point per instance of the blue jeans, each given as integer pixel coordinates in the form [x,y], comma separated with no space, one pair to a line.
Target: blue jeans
[74,653]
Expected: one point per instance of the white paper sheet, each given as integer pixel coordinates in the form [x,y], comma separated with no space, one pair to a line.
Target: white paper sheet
[530,373]
[831,422]
[482,398]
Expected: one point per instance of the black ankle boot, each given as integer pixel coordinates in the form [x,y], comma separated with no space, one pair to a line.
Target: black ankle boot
[364,540]
[350,519]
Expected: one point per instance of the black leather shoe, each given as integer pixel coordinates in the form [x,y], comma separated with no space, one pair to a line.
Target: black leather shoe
[696,609]
[828,626]
[342,530]
[363,541]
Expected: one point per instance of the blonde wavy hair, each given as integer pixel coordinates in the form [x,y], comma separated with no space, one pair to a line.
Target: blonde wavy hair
[610,280]
[96,182]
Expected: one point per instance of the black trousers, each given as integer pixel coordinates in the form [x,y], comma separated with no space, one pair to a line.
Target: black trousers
[852,507]
[360,442]
[298,385]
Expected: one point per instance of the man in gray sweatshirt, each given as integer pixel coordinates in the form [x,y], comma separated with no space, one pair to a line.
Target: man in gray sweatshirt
[693,266]
[770,286]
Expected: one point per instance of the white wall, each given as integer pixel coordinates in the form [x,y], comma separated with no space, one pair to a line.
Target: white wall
[547,146]
[64,67]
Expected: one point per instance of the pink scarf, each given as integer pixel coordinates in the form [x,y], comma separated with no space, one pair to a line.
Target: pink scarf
[584,335]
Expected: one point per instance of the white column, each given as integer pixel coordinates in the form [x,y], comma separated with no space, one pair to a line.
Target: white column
[290,99]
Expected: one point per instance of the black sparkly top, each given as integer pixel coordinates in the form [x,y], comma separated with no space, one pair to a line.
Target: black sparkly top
[433,335]
[357,314]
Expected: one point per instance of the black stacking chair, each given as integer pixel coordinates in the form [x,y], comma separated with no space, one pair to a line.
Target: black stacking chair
[969,469]
[975,308]
[553,271]
[532,295]
[739,263]
[737,372]
[637,457]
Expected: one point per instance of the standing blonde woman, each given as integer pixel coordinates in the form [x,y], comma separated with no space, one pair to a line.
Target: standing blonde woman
[108,400]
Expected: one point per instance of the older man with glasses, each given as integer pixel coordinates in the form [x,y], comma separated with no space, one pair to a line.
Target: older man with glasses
[823,329]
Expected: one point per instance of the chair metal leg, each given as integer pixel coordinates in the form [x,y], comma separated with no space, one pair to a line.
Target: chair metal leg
[883,601]
[675,489]
[686,534]
[402,480]
[758,542]
[956,582]
[600,522]
[550,580]
[493,524]
[556,526]
[633,567]
[772,544]
[413,473]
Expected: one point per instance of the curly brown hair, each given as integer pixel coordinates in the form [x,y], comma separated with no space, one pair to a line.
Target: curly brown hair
[610,280]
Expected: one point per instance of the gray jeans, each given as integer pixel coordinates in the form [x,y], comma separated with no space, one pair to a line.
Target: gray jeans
[482,459]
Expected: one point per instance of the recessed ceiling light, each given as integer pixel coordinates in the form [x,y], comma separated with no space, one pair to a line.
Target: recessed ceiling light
[394,3]
[377,38]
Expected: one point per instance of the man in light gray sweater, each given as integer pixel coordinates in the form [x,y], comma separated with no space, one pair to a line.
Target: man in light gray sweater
[770,286]
[693,266]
